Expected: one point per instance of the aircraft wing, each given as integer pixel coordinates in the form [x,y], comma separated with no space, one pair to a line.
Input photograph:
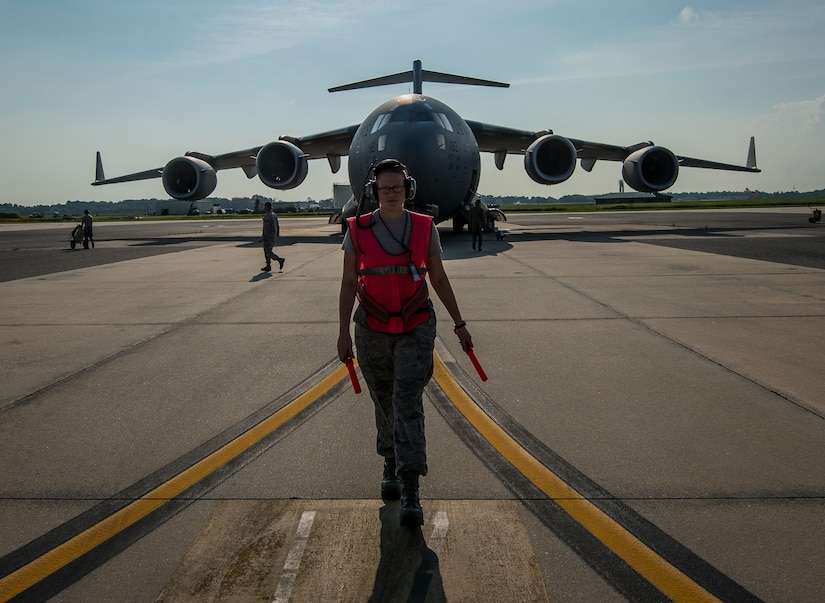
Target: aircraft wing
[713,165]
[332,144]
[492,139]
[243,159]
[502,140]
[325,144]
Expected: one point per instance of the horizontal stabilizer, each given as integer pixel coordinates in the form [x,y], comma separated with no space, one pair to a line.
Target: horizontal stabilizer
[417,76]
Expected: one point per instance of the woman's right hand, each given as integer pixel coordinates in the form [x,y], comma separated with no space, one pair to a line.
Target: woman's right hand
[345,347]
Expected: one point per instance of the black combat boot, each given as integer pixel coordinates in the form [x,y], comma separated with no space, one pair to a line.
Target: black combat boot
[411,513]
[390,484]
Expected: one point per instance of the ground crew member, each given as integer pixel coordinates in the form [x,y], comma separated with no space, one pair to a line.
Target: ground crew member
[477,219]
[88,229]
[270,233]
[387,254]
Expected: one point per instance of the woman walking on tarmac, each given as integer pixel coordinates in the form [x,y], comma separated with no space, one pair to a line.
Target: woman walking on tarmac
[387,254]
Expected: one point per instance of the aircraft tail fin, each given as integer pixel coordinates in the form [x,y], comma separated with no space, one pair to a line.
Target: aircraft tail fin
[417,76]
[751,163]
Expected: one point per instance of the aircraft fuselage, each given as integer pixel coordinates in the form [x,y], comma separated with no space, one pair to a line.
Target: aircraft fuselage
[433,141]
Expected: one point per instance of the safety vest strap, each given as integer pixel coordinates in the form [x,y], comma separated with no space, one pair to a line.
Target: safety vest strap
[418,303]
[390,270]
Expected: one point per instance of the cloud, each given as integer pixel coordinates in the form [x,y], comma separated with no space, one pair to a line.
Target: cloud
[260,28]
[800,118]
[796,123]
[687,15]
[790,138]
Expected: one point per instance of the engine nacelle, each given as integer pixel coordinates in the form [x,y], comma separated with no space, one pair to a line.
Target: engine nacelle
[282,165]
[189,179]
[550,160]
[651,169]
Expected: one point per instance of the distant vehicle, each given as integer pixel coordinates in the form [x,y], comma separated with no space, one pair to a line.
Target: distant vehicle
[194,212]
[35,215]
[245,211]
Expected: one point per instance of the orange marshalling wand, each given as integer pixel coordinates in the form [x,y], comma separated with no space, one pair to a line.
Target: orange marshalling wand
[353,377]
[476,364]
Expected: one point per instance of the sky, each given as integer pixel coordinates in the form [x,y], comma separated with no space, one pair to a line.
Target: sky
[144,82]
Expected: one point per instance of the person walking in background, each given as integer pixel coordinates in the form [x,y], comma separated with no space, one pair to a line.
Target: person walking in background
[477,219]
[269,235]
[387,255]
[88,234]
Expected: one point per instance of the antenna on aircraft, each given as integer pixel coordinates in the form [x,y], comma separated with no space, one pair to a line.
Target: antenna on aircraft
[417,76]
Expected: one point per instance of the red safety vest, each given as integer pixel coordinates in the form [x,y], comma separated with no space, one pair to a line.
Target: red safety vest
[395,302]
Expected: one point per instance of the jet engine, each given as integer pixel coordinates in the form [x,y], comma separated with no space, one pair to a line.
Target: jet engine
[189,179]
[550,160]
[651,169]
[282,165]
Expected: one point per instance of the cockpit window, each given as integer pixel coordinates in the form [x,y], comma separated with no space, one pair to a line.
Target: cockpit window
[444,121]
[380,122]
[414,116]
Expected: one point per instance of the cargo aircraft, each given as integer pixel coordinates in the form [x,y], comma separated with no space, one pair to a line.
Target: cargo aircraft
[440,148]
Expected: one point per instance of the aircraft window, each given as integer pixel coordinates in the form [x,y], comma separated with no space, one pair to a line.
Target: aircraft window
[413,116]
[440,142]
[379,123]
[382,142]
[444,121]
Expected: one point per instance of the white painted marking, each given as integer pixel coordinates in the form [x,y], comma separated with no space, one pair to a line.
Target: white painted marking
[305,525]
[293,559]
[284,589]
[440,524]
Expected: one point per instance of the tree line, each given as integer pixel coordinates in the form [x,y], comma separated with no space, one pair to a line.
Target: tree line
[71,209]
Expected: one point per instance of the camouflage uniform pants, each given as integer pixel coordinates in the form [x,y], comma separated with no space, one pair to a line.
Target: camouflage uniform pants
[269,254]
[396,368]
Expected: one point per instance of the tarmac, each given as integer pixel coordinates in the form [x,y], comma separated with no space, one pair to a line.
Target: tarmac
[676,393]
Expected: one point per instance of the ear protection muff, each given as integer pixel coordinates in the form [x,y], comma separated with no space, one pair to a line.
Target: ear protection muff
[384,165]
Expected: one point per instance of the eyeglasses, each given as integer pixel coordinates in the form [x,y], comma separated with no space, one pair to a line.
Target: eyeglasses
[386,190]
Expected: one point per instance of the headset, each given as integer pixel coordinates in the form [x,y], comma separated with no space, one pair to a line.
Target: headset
[370,188]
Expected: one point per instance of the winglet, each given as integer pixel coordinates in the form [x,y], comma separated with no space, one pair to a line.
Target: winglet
[99,169]
[751,163]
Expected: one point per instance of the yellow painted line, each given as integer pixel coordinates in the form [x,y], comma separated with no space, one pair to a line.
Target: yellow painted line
[60,556]
[655,569]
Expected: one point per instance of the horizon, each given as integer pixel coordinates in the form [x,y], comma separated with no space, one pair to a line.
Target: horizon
[724,195]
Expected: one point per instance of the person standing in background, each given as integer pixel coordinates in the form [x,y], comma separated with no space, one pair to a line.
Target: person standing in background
[477,219]
[88,234]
